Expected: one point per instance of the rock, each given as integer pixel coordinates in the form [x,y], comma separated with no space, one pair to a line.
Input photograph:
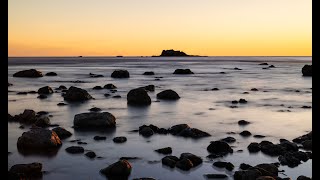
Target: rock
[176,129]
[307,144]
[272,149]
[94,120]
[183,71]
[168,95]
[215,176]
[170,161]
[245,133]
[149,88]
[62,87]
[254,147]
[107,95]
[307,70]
[39,139]
[118,170]
[42,96]
[166,150]
[228,139]
[62,133]
[193,133]
[271,168]
[254,89]
[95,109]
[95,75]
[259,136]
[303,138]
[146,131]
[90,154]
[27,171]
[245,93]
[162,131]
[110,86]
[120,74]
[271,66]
[243,101]
[219,147]
[292,159]
[51,74]
[75,150]
[27,117]
[184,164]
[172,52]
[120,139]
[97,88]
[31,73]
[229,166]
[129,158]
[61,104]
[41,113]
[289,146]
[244,166]
[148,73]
[98,138]
[237,68]
[139,97]
[9,84]
[77,94]
[116,96]
[42,122]
[234,102]
[250,174]
[263,64]
[22,93]
[196,160]
[303,178]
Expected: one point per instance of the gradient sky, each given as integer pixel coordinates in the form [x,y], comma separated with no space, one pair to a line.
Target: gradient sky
[146,27]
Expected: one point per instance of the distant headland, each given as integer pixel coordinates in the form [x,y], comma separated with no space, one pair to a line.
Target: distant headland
[174,53]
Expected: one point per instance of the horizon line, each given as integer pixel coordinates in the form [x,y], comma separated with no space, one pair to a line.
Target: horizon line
[121,56]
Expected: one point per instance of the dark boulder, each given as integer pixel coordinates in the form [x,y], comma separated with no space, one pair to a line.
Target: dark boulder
[166,150]
[120,74]
[77,94]
[263,64]
[228,139]
[196,160]
[303,138]
[303,178]
[307,144]
[271,168]
[150,73]
[146,131]
[42,96]
[27,117]
[94,120]
[184,164]
[229,166]
[176,129]
[98,138]
[254,147]
[219,147]
[149,88]
[27,171]
[183,71]
[110,86]
[244,166]
[168,95]
[242,101]
[51,74]
[250,174]
[307,70]
[272,149]
[245,133]
[254,89]
[31,73]
[118,170]
[120,139]
[138,96]
[193,133]
[90,154]
[42,122]
[95,109]
[75,150]
[45,90]
[97,88]
[62,133]
[170,161]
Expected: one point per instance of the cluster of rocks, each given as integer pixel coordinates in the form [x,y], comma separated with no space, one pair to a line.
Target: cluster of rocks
[183,130]
[258,172]
[185,162]
[29,117]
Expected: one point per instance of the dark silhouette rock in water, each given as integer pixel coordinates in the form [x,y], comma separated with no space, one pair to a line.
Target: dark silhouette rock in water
[31,73]
[183,71]
[307,70]
[168,95]
[119,170]
[215,176]
[196,160]
[149,88]
[94,120]
[75,150]
[170,161]
[97,88]
[110,86]
[219,147]
[263,64]
[150,73]
[303,178]
[184,164]
[62,133]
[172,52]
[120,139]
[51,74]
[27,117]
[90,154]
[166,150]
[26,171]
[138,97]
[45,90]
[120,74]
[38,139]
[77,94]
[176,129]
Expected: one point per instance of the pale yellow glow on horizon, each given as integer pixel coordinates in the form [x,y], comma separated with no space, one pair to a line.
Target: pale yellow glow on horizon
[146,27]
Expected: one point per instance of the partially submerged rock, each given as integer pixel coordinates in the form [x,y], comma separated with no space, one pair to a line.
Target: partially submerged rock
[166,150]
[120,139]
[27,171]
[45,90]
[120,169]
[90,154]
[77,94]
[120,74]
[110,86]
[51,74]
[168,95]
[94,120]
[219,147]
[62,133]
[170,161]
[307,70]
[138,96]
[75,150]
[229,166]
[183,71]
[31,73]
[150,73]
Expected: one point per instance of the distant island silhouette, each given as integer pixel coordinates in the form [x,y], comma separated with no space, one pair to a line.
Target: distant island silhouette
[175,53]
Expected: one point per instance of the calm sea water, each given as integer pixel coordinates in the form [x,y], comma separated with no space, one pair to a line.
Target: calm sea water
[205,110]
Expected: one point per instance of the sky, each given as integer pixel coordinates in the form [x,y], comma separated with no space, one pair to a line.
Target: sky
[146,27]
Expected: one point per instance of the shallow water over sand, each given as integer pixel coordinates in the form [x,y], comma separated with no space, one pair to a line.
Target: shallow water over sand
[199,106]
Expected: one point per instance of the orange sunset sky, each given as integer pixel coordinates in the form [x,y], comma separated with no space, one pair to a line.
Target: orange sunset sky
[146,27]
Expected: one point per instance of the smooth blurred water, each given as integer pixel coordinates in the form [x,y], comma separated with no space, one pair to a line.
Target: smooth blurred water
[277,91]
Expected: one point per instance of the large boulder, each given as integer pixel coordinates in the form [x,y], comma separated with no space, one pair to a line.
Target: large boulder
[168,95]
[170,161]
[39,138]
[110,86]
[31,73]
[184,164]
[27,171]
[77,94]
[219,147]
[120,74]
[27,117]
[42,121]
[307,70]
[196,160]
[62,133]
[118,170]
[138,96]
[183,71]
[94,120]
[250,174]
[45,90]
